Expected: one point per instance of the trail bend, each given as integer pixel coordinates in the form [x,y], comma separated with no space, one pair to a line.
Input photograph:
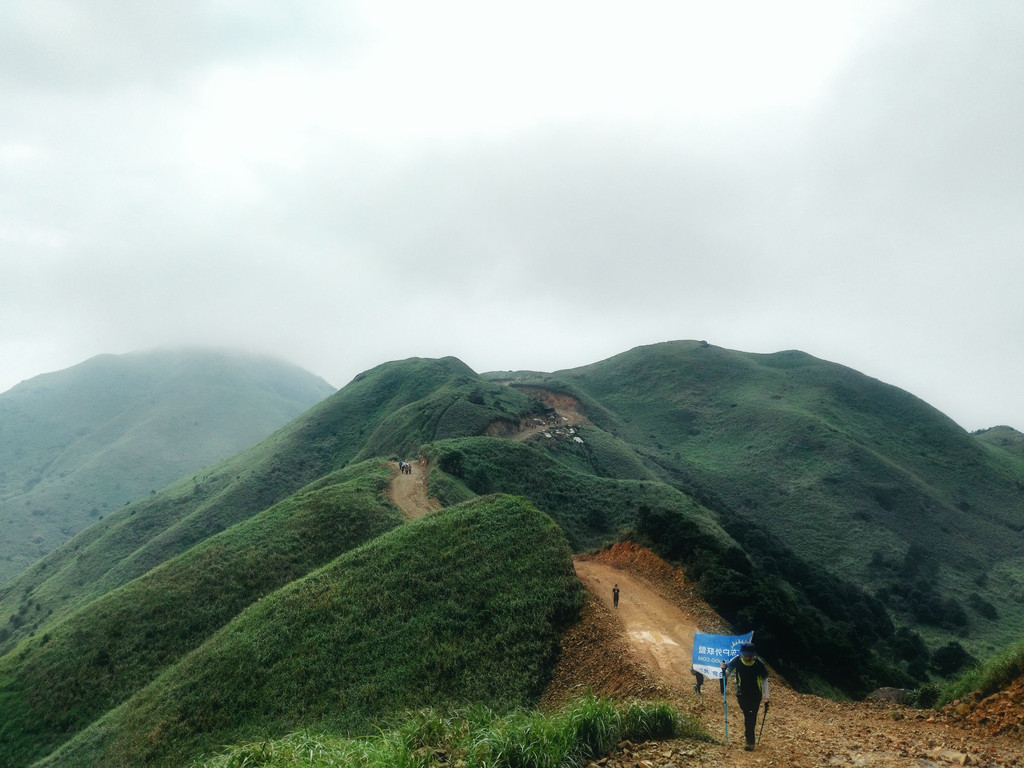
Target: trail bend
[656,629]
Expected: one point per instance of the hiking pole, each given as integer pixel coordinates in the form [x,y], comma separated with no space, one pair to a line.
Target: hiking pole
[725,709]
[763,718]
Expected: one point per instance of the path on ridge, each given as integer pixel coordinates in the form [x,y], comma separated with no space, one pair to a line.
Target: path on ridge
[657,629]
[408,492]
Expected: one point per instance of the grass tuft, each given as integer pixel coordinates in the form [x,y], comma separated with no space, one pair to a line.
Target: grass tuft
[996,674]
[582,731]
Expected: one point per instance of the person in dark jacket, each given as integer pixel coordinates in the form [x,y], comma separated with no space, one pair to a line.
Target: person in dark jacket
[751,686]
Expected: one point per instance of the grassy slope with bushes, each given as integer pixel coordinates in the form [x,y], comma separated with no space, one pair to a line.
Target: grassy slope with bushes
[723,462]
[461,607]
[591,510]
[802,614]
[866,519]
[60,682]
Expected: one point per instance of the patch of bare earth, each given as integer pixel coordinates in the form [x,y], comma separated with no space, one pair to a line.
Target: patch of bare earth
[1001,713]
[642,649]
[562,414]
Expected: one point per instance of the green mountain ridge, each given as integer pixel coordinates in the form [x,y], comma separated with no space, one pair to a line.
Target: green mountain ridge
[1003,437]
[836,516]
[871,461]
[371,642]
[77,444]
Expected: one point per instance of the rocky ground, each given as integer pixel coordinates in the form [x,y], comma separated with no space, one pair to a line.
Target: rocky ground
[611,654]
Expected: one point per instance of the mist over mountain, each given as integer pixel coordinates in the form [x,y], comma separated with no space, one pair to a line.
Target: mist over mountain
[79,443]
[836,516]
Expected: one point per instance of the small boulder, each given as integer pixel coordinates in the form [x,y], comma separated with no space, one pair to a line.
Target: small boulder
[890,695]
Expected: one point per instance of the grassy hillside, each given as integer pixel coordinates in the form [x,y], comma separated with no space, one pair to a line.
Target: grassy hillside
[591,510]
[803,615]
[79,668]
[837,517]
[456,608]
[854,476]
[1005,438]
[393,407]
[77,444]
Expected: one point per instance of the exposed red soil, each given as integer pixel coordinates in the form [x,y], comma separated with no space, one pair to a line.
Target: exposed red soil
[564,412]
[998,714]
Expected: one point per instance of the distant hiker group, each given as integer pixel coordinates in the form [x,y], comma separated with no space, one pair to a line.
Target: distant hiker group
[405,467]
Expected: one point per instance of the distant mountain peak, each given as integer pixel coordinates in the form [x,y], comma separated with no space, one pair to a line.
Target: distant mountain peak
[78,443]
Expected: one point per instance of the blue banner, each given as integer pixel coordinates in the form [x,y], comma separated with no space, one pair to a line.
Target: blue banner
[709,651]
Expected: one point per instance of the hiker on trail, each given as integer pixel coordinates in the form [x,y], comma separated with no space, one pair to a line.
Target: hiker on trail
[698,679]
[615,595]
[751,686]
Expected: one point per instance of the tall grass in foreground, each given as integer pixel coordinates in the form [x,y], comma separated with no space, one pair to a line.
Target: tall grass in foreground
[995,674]
[579,733]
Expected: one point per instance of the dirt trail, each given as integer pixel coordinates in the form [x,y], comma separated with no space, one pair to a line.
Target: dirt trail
[656,629]
[643,649]
[408,491]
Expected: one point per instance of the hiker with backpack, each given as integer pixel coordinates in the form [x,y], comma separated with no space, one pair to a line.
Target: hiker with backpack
[751,687]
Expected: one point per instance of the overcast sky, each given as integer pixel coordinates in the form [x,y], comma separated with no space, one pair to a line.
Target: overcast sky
[529,185]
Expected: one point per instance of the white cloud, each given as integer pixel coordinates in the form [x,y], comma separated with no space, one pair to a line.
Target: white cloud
[535,185]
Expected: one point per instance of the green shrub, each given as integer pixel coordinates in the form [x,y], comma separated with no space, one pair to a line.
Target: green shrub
[924,697]
[951,658]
